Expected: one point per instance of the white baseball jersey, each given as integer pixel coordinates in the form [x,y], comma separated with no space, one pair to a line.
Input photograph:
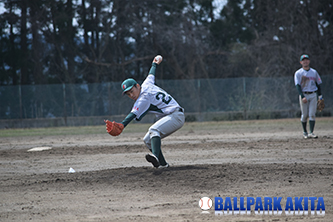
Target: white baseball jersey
[307,79]
[153,99]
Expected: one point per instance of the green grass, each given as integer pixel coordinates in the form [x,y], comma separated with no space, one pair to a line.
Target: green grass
[52,131]
[55,131]
[133,128]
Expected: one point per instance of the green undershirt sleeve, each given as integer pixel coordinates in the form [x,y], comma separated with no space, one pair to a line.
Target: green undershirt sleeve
[299,90]
[319,89]
[152,69]
[128,119]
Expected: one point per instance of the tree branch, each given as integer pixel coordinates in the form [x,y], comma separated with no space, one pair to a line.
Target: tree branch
[118,64]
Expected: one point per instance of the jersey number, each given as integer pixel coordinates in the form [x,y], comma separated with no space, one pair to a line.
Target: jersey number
[158,97]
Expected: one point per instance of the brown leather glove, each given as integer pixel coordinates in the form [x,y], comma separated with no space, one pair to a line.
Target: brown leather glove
[113,128]
[320,105]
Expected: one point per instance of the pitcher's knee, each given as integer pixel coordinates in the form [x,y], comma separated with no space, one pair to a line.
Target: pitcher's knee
[153,132]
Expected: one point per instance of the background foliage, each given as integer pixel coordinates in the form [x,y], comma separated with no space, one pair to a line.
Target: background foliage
[96,41]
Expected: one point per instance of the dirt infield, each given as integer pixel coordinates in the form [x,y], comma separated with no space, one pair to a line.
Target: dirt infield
[113,182]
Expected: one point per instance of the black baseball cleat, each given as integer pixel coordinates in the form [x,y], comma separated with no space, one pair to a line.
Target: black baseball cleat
[151,158]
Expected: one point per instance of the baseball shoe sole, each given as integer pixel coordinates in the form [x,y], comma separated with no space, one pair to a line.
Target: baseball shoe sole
[312,135]
[151,158]
[165,166]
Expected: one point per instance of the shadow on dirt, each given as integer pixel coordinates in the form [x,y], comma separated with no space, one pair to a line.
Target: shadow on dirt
[178,168]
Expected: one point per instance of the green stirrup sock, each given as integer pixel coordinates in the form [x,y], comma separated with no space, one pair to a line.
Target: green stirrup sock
[156,149]
[304,126]
[161,159]
[156,145]
[312,125]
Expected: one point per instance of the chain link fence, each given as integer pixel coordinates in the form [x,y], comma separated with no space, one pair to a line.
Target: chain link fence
[196,96]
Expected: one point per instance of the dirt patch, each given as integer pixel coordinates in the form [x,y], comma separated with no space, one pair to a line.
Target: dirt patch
[113,182]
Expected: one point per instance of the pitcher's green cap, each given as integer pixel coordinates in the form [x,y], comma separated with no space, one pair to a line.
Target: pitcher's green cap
[304,57]
[128,84]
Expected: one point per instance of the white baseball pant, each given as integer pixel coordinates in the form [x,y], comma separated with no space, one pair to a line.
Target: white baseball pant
[164,127]
[308,109]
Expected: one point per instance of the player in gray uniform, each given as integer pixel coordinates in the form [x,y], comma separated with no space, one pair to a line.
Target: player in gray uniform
[307,81]
[150,98]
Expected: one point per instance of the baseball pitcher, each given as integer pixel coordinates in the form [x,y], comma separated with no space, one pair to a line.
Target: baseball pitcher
[150,98]
[307,81]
